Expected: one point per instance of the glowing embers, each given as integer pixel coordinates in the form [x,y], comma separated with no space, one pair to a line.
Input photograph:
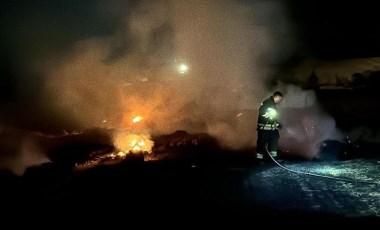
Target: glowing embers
[137,119]
[133,143]
[128,143]
[127,146]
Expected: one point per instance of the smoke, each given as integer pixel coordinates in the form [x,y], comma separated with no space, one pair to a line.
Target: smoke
[305,124]
[106,81]
[101,63]
[19,150]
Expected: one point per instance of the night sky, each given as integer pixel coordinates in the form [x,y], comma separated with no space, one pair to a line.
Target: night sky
[334,30]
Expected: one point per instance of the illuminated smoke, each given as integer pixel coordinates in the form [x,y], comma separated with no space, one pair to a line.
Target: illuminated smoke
[106,62]
[305,125]
[219,42]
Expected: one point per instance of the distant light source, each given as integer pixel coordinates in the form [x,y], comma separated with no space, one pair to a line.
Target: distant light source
[183,68]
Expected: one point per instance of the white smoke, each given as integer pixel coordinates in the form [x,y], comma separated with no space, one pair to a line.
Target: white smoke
[218,40]
[305,124]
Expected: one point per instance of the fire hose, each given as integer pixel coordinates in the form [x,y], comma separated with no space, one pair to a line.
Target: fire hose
[320,175]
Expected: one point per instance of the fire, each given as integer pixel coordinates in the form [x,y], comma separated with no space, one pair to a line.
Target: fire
[121,154]
[137,119]
[126,143]
[133,143]
[137,145]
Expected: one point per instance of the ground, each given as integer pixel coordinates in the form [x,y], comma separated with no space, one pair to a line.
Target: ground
[230,185]
[291,191]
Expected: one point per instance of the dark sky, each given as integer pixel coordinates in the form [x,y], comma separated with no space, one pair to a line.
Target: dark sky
[334,30]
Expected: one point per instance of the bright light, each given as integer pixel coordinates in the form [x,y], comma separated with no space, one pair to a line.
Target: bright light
[128,143]
[137,119]
[272,113]
[183,68]
[121,154]
[136,148]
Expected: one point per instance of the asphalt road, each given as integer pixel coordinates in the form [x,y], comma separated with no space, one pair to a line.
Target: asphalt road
[228,187]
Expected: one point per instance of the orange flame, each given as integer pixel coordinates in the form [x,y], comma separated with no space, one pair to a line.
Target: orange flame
[137,119]
[121,154]
[129,143]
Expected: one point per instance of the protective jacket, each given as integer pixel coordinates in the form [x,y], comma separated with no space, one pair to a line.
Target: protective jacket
[267,119]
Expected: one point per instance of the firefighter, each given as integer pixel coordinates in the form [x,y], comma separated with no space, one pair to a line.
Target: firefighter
[267,126]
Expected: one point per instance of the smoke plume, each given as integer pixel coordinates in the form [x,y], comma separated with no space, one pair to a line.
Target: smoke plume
[305,124]
[78,65]
[106,81]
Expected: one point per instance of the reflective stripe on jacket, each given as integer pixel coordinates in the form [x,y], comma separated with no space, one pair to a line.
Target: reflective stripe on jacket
[261,126]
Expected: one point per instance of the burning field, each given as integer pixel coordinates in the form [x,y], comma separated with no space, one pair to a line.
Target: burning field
[98,147]
[125,144]
[177,145]
[184,172]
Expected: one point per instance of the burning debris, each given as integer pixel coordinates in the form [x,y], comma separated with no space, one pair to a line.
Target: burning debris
[128,146]
[126,143]
[131,143]
[182,143]
[125,146]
